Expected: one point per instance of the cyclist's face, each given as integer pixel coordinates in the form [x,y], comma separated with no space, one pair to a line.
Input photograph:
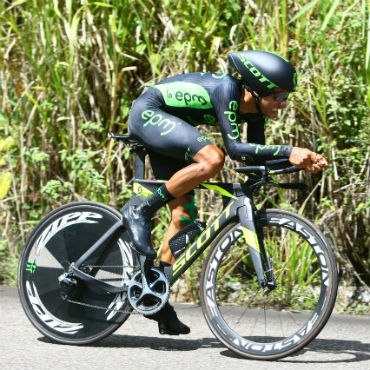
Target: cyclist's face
[271,104]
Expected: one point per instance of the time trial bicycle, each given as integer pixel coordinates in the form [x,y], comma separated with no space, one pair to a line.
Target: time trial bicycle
[267,287]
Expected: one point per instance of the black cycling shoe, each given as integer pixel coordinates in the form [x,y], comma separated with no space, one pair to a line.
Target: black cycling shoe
[168,322]
[137,223]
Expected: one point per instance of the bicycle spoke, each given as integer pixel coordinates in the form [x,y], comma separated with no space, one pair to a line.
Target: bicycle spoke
[267,325]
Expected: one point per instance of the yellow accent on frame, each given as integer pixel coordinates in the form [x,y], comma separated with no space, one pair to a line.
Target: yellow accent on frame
[141,190]
[251,239]
[219,189]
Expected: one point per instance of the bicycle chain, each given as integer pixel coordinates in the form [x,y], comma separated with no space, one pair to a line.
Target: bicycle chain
[105,266]
[101,307]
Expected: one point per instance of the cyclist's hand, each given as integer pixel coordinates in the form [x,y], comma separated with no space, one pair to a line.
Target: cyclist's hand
[310,161]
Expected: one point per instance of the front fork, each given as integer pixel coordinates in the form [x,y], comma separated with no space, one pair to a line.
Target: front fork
[253,235]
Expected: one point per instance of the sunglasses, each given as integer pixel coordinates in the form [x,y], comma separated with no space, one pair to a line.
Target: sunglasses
[281,96]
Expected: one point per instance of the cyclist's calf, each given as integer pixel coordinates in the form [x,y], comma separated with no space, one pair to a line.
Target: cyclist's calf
[179,213]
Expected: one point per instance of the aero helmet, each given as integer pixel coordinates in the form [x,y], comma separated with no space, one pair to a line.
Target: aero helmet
[262,71]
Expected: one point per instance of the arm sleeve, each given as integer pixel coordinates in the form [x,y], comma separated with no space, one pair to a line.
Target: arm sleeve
[256,130]
[226,103]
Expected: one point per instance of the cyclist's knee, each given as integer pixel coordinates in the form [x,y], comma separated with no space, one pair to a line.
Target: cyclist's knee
[210,159]
[218,160]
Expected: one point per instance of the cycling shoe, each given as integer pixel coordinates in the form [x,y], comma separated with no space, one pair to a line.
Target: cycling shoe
[137,224]
[168,322]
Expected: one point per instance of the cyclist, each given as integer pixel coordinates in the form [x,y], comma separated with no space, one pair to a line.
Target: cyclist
[164,117]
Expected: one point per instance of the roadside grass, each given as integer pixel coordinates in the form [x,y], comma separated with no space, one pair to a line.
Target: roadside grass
[70,70]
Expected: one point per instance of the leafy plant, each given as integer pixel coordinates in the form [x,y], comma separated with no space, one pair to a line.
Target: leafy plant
[70,70]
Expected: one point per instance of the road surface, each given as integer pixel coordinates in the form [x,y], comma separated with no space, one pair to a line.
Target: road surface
[343,344]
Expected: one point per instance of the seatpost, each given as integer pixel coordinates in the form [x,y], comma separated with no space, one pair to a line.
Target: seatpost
[140,154]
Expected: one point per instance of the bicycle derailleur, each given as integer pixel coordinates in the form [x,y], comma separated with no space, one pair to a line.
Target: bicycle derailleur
[67,283]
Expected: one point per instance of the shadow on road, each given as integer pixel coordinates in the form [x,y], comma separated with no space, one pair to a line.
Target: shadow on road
[155,343]
[355,350]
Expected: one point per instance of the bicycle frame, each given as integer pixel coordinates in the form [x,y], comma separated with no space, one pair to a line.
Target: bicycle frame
[240,206]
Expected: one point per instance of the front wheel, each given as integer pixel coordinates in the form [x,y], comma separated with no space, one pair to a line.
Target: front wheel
[78,314]
[268,325]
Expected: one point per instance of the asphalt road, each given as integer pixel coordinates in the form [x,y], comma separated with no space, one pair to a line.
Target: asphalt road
[343,344]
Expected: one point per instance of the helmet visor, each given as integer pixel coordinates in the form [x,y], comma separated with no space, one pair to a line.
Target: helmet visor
[281,96]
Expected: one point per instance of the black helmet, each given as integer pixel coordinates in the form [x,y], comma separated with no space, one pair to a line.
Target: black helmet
[263,71]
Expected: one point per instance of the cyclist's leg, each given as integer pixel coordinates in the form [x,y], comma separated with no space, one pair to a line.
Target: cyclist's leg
[182,209]
[163,169]
[177,212]
[165,133]
[206,164]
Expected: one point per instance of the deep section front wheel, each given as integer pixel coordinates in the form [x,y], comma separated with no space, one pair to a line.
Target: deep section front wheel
[78,314]
[255,322]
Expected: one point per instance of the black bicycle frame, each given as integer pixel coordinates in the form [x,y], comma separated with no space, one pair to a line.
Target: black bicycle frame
[238,205]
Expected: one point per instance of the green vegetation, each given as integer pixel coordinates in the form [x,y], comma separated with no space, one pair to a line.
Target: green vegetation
[295,271]
[69,71]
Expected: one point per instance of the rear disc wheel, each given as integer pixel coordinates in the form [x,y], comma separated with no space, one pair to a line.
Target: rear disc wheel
[78,314]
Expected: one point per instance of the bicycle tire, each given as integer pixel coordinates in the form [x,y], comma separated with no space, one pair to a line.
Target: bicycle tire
[60,238]
[276,325]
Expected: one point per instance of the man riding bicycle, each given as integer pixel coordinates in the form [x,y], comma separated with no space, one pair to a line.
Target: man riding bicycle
[164,117]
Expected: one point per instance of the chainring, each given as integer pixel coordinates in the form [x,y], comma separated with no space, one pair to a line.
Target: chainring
[148,295]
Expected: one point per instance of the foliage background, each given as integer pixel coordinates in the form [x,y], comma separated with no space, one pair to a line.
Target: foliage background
[69,71]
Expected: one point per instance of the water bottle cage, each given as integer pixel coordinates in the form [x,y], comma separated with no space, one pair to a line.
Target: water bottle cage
[185,236]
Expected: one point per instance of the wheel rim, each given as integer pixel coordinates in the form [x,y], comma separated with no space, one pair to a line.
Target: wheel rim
[249,322]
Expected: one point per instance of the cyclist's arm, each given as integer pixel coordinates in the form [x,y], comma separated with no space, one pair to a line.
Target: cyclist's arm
[256,130]
[227,99]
